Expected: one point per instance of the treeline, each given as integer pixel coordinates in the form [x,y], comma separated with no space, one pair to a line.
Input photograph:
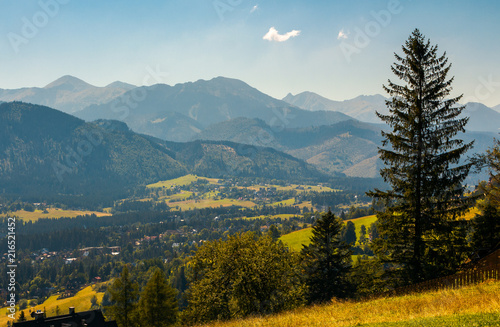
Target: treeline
[136,233]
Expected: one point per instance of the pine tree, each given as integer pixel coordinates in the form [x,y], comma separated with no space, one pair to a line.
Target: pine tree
[123,296]
[421,157]
[349,233]
[158,302]
[326,260]
[362,235]
[22,316]
[274,232]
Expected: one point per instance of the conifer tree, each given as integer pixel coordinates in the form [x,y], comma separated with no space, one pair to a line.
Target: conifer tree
[362,235]
[487,224]
[22,317]
[349,233]
[158,302]
[421,156]
[326,260]
[123,296]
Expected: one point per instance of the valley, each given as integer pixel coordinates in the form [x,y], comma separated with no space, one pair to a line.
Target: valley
[102,185]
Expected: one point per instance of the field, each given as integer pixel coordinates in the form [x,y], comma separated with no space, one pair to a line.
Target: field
[477,305]
[212,199]
[181,181]
[81,302]
[289,202]
[296,239]
[209,203]
[52,213]
[367,221]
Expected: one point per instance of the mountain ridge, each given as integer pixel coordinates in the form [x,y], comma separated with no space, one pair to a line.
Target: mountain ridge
[363,108]
[45,152]
[67,93]
[205,102]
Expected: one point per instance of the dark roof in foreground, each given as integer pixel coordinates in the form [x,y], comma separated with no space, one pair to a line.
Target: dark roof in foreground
[92,318]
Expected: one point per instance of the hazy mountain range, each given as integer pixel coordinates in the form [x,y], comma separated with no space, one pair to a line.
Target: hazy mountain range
[362,107]
[482,118]
[334,136]
[180,112]
[332,148]
[68,94]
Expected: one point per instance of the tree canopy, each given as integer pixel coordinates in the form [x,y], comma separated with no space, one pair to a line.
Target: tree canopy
[241,276]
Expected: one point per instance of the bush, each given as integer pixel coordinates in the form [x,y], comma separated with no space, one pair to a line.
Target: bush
[242,276]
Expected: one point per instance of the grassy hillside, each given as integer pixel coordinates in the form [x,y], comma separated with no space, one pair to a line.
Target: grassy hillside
[296,239]
[181,181]
[367,221]
[470,306]
[81,302]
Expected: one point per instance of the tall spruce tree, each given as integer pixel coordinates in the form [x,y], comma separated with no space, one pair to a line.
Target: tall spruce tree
[421,156]
[158,302]
[326,261]
[123,296]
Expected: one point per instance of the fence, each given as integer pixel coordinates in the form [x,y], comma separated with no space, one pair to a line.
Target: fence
[473,273]
[460,279]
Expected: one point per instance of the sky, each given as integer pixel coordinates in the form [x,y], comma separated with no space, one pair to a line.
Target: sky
[338,49]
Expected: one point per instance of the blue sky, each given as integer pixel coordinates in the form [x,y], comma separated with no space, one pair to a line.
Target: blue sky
[339,49]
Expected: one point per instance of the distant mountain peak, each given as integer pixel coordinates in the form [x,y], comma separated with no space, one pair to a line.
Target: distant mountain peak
[70,83]
[121,85]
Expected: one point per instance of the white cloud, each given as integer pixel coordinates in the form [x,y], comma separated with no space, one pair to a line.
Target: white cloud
[342,35]
[273,35]
[254,8]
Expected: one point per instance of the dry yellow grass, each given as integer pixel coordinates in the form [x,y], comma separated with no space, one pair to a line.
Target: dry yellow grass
[483,298]
[52,213]
[181,181]
[209,203]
